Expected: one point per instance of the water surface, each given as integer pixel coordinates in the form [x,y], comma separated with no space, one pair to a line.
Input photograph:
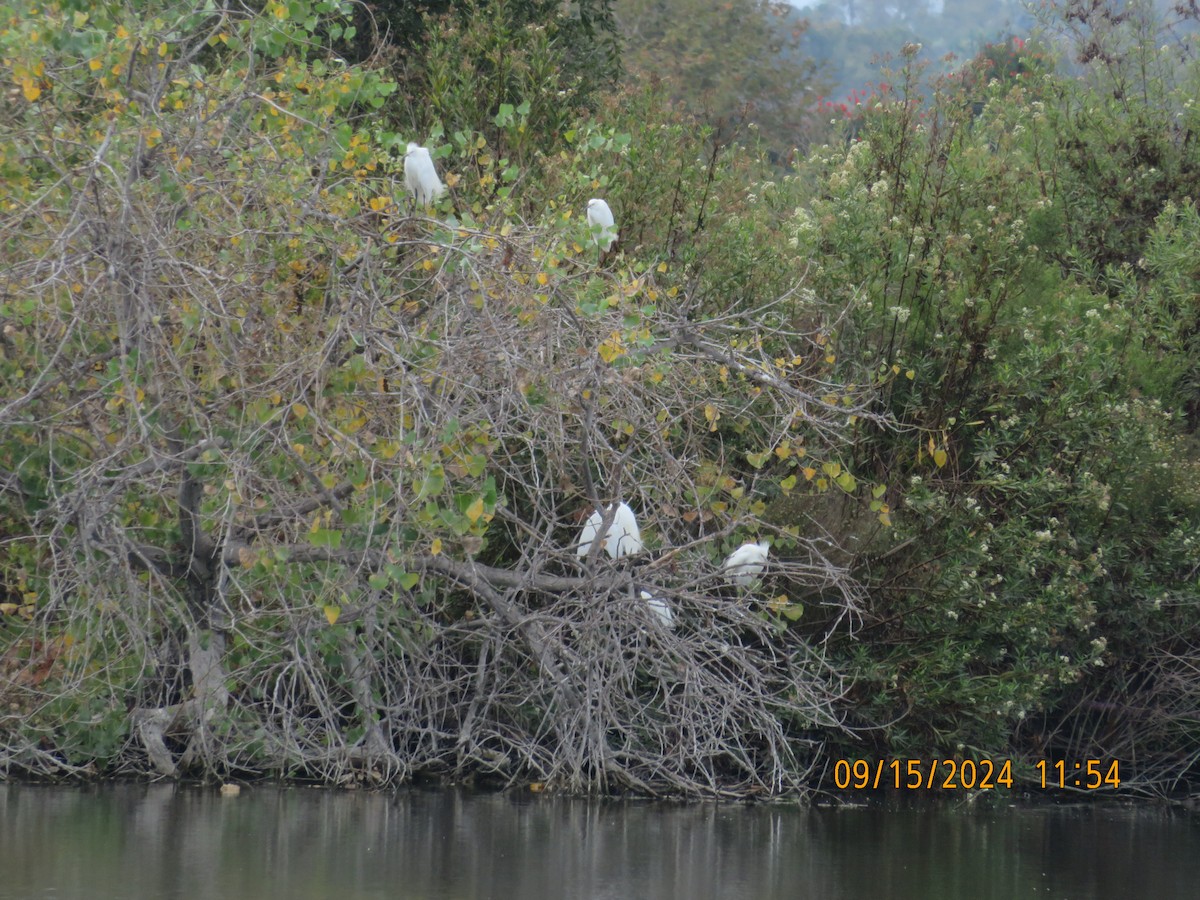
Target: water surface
[162,841]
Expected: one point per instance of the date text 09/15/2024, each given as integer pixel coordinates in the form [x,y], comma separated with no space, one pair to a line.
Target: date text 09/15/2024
[969,774]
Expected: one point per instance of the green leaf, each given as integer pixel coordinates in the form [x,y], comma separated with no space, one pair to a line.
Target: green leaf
[758,460]
[406,580]
[325,537]
[433,483]
[341,137]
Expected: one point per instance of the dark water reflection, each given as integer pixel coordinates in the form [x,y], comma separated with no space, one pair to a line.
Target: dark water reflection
[134,842]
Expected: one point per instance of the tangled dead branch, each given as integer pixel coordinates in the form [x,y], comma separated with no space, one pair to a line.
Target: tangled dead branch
[309,505]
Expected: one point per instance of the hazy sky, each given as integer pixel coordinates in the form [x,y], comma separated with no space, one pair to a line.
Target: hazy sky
[936,5]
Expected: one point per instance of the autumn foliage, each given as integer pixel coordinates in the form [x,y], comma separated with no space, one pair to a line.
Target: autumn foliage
[292,469]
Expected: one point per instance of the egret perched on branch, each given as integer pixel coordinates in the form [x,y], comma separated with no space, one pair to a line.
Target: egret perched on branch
[746,563]
[622,537]
[420,177]
[659,607]
[600,221]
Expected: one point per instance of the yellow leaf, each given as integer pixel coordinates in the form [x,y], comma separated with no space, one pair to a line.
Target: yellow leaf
[331,613]
[542,279]
[436,547]
[885,519]
[808,473]
[378,203]
[8,609]
[95,64]
[30,89]
[610,349]
[122,32]
[832,469]
[783,451]
[910,374]
[475,510]
[662,267]
[299,410]
[712,414]
[939,457]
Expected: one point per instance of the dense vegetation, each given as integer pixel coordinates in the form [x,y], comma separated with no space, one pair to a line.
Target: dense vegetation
[292,471]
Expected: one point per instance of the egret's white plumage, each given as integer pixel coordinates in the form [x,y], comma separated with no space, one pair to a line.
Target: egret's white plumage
[622,537]
[659,607]
[600,221]
[746,563]
[420,176]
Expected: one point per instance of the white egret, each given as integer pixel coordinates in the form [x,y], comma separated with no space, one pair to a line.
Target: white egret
[622,537]
[420,176]
[600,217]
[659,607]
[746,563]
